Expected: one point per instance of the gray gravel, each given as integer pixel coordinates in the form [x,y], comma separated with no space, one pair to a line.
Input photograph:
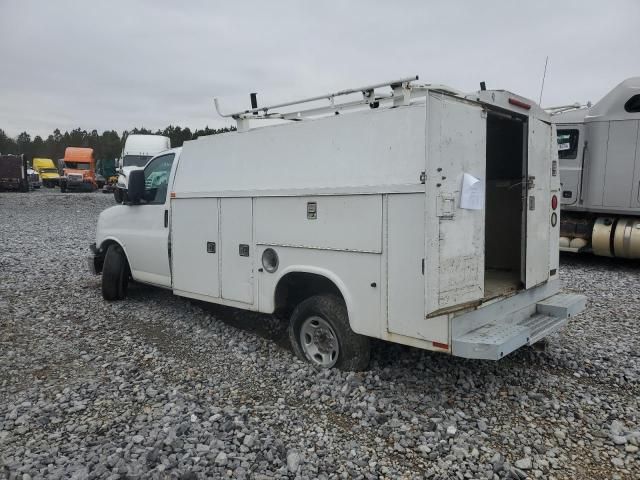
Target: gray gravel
[161,387]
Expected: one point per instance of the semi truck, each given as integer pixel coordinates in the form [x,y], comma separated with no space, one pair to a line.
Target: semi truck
[418,215]
[13,173]
[47,171]
[79,171]
[598,147]
[138,149]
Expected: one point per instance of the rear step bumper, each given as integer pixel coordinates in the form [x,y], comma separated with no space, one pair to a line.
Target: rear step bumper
[495,340]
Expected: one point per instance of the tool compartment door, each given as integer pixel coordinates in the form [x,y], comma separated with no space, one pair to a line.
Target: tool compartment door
[194,246]
[454,236]
[236,249]
[538,190]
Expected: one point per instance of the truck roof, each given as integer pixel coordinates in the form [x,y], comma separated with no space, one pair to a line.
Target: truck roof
[78,154]
[139,144]
[609,107]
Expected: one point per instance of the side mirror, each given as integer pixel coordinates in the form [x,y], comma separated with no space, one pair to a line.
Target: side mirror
[135,191]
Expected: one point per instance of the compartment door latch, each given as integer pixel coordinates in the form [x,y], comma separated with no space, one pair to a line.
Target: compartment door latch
[446,205]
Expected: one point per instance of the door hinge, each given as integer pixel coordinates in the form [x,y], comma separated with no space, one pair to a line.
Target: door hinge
[423,177]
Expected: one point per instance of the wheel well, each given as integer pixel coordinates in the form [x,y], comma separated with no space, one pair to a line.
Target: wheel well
[295,287]
[107,243]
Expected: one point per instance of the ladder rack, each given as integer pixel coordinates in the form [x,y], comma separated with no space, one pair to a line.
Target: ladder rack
[401,91]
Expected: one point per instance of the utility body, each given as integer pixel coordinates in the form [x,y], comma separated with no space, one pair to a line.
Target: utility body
[599,150]
[422,217]
[79,171]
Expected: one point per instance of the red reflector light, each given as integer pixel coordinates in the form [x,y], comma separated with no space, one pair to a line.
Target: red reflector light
[440,345]
[518,103]
[554,202]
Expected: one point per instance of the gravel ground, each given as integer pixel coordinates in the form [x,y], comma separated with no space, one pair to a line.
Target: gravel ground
[161,387]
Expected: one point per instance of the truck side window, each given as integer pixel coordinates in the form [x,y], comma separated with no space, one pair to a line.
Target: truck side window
[156,178]
[633,104]
[568,143]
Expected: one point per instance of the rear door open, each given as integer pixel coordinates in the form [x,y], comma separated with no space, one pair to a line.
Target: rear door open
[538,201]
[454,236]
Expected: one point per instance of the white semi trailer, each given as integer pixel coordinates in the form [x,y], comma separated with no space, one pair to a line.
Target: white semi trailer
[420,216]
[599,150]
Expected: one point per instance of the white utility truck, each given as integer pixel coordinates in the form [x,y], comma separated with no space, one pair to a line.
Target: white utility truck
[138,150]
[420,216]
[599,150]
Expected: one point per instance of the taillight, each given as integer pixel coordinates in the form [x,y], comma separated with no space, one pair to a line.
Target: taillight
[554,202]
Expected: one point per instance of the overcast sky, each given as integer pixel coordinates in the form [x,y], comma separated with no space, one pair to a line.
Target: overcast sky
[121,64]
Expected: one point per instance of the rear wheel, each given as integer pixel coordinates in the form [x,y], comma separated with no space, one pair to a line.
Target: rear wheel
[63,187]
[320,334]
[115,274]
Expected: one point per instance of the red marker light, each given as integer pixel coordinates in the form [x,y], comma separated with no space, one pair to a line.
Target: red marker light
[554,202]
[518,103]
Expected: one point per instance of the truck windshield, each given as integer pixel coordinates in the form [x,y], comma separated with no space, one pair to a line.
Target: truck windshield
[135,160]
[78,165]
[49,170]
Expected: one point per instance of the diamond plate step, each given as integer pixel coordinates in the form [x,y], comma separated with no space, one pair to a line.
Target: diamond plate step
[494,340]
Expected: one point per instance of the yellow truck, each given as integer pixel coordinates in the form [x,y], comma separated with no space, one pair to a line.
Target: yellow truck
[47,170]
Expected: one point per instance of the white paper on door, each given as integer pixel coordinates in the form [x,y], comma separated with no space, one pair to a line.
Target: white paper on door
[472,196]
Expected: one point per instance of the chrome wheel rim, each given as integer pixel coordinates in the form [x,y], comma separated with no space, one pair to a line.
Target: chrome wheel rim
[319,342]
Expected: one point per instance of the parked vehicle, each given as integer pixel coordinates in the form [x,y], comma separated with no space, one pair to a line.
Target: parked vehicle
[79,170]
[599,154]
[34,178]
[106,171]
[138,150]
[13,173]
[47,171]
[370,223]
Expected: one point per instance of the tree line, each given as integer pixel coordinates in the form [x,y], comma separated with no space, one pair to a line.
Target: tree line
[106,145]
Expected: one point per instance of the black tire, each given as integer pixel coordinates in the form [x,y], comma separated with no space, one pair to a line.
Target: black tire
[63,187]
[354,349]
[115,274]
[117,195]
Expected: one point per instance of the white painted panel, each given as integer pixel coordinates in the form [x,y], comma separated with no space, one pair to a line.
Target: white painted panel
[597,134]
[352,272]
[194,222]
[236,229]
[454,237]
[635,193]
[346,222]
[372,147]
[405,253]
[621,155]
[541,149]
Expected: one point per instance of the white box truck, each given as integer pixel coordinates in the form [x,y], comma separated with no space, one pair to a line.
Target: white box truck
[599,152]
[419,216]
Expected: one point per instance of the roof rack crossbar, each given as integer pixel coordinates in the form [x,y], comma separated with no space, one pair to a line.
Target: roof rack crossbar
[367,91]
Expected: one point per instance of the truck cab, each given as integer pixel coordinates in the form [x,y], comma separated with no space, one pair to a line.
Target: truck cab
[138,150]
[79,172]
[599,153]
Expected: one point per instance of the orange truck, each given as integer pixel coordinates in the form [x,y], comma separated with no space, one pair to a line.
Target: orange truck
[79,172]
